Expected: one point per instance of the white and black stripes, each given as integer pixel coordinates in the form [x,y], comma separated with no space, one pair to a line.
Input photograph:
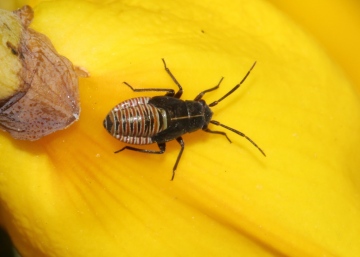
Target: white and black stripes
[134,121]
[160,119]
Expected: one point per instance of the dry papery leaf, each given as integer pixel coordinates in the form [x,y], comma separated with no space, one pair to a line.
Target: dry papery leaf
[42,96]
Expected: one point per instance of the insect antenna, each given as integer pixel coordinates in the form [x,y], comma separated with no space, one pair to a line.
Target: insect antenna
[228,128]
[233,90]
[239,133]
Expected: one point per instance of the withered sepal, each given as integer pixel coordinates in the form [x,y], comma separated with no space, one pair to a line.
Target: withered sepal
[46,98]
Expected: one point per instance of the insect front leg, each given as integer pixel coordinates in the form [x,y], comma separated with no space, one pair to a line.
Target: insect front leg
[217,132]
[239,133]
[199,96]
[234,89]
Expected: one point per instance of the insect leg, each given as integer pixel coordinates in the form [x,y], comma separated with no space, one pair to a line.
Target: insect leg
[162,147]
[178,93]
[217,132]
[182,144]
[199,96]
[239,133]
[169,92]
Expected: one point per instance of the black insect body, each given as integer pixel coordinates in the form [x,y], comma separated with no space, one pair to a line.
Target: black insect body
[159,119]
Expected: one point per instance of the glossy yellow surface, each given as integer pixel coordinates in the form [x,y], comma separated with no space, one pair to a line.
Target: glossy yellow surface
[335,25]
[69,195]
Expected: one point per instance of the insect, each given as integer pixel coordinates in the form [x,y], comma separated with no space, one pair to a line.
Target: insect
[159,119]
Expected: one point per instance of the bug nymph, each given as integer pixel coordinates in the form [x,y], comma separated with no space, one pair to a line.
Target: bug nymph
[159,119]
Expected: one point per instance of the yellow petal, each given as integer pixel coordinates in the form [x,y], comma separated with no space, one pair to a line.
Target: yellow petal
[322,19]
[69,195]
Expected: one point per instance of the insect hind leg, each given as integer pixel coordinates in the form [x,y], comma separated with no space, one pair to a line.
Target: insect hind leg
[169,92]
[162,147]
[161,150]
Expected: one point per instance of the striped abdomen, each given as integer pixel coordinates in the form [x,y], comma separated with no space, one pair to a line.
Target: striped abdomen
[134,121]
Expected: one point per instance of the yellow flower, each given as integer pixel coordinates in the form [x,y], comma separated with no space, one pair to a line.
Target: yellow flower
[335,25]
[68,194]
